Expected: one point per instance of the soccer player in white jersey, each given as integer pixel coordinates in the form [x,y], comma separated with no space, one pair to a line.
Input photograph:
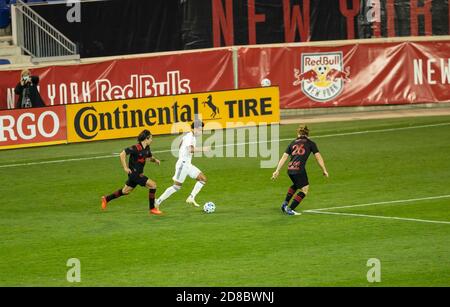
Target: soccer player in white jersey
[184,167]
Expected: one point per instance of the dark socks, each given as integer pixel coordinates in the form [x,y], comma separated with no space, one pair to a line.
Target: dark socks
[151,198]
[290,193]
[114,195]
[297,200]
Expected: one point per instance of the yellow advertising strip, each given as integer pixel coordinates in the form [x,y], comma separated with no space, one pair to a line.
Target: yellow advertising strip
[33,144]
[171,114]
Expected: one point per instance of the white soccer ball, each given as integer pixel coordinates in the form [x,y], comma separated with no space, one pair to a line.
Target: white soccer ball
[265,82]
[209,207]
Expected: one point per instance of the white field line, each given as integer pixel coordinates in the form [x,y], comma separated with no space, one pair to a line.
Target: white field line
[226,145]
[57,161]
[384,202]
[380,217]
[322,210]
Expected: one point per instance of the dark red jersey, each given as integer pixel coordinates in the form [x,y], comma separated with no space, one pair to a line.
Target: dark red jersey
[299,151]
[138,156]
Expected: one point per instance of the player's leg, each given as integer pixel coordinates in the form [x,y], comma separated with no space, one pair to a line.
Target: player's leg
[291,191]
[300,196]
[178,179]
[127,189]
[151,185]
[168,192]
[196,174]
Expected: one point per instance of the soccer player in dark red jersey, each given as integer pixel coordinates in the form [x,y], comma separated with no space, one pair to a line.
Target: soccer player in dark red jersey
[139,154]
[299,151]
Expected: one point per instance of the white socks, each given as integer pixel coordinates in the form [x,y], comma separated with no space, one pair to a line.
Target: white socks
[197,187]
[167,193]
[170,190]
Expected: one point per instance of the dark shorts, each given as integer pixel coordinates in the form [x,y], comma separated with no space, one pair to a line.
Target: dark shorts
[135,179]
[300,180]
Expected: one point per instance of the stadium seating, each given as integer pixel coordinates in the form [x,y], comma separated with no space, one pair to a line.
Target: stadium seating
[28,1]
[10,2]
[5,16]
[5,10]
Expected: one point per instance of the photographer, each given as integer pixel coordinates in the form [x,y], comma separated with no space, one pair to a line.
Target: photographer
[27,90]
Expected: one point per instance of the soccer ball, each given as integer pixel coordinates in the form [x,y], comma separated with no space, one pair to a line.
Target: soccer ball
[209,207]
[265,82]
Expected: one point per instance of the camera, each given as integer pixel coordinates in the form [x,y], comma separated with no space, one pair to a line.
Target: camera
[26,79]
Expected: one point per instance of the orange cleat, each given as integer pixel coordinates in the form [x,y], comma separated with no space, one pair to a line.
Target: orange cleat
[155,211]
[104,203]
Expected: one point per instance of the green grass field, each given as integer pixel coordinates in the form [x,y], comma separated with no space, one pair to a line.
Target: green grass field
[51,212]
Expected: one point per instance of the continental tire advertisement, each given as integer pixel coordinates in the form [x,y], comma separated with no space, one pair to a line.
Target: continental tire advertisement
[171,114]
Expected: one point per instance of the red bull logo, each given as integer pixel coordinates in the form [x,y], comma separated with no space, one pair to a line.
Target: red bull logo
[322,75]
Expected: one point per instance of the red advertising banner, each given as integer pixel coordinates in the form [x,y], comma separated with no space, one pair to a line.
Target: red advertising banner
[127,78]
[32,127]
[351,75]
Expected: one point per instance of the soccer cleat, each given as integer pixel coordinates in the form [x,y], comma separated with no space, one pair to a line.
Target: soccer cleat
[295,212]
[104,203]
[155,211]
[283,207]
[191,200]
[289,211]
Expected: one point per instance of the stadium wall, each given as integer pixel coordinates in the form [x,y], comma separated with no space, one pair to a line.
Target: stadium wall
[309,75]
[351,74]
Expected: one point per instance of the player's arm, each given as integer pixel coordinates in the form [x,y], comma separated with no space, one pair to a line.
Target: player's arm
[154,160]
[198,149]
[123,160]
[321,163]
[280,165]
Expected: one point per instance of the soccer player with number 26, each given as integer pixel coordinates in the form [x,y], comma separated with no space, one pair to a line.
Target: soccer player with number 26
[299,151]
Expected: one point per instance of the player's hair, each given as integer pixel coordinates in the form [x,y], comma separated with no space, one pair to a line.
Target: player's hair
[303,130]
[197,124]
[25,72]
[145,134]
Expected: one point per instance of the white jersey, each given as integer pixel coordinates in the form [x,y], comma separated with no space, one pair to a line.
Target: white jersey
[185,153]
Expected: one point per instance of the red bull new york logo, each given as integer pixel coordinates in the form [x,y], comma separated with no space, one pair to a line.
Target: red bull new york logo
[322,75]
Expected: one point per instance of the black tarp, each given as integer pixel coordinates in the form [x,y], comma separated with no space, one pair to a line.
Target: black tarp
[114,27]
[118,27]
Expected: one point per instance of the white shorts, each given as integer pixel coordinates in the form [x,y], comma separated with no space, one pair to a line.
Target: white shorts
[183,169]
